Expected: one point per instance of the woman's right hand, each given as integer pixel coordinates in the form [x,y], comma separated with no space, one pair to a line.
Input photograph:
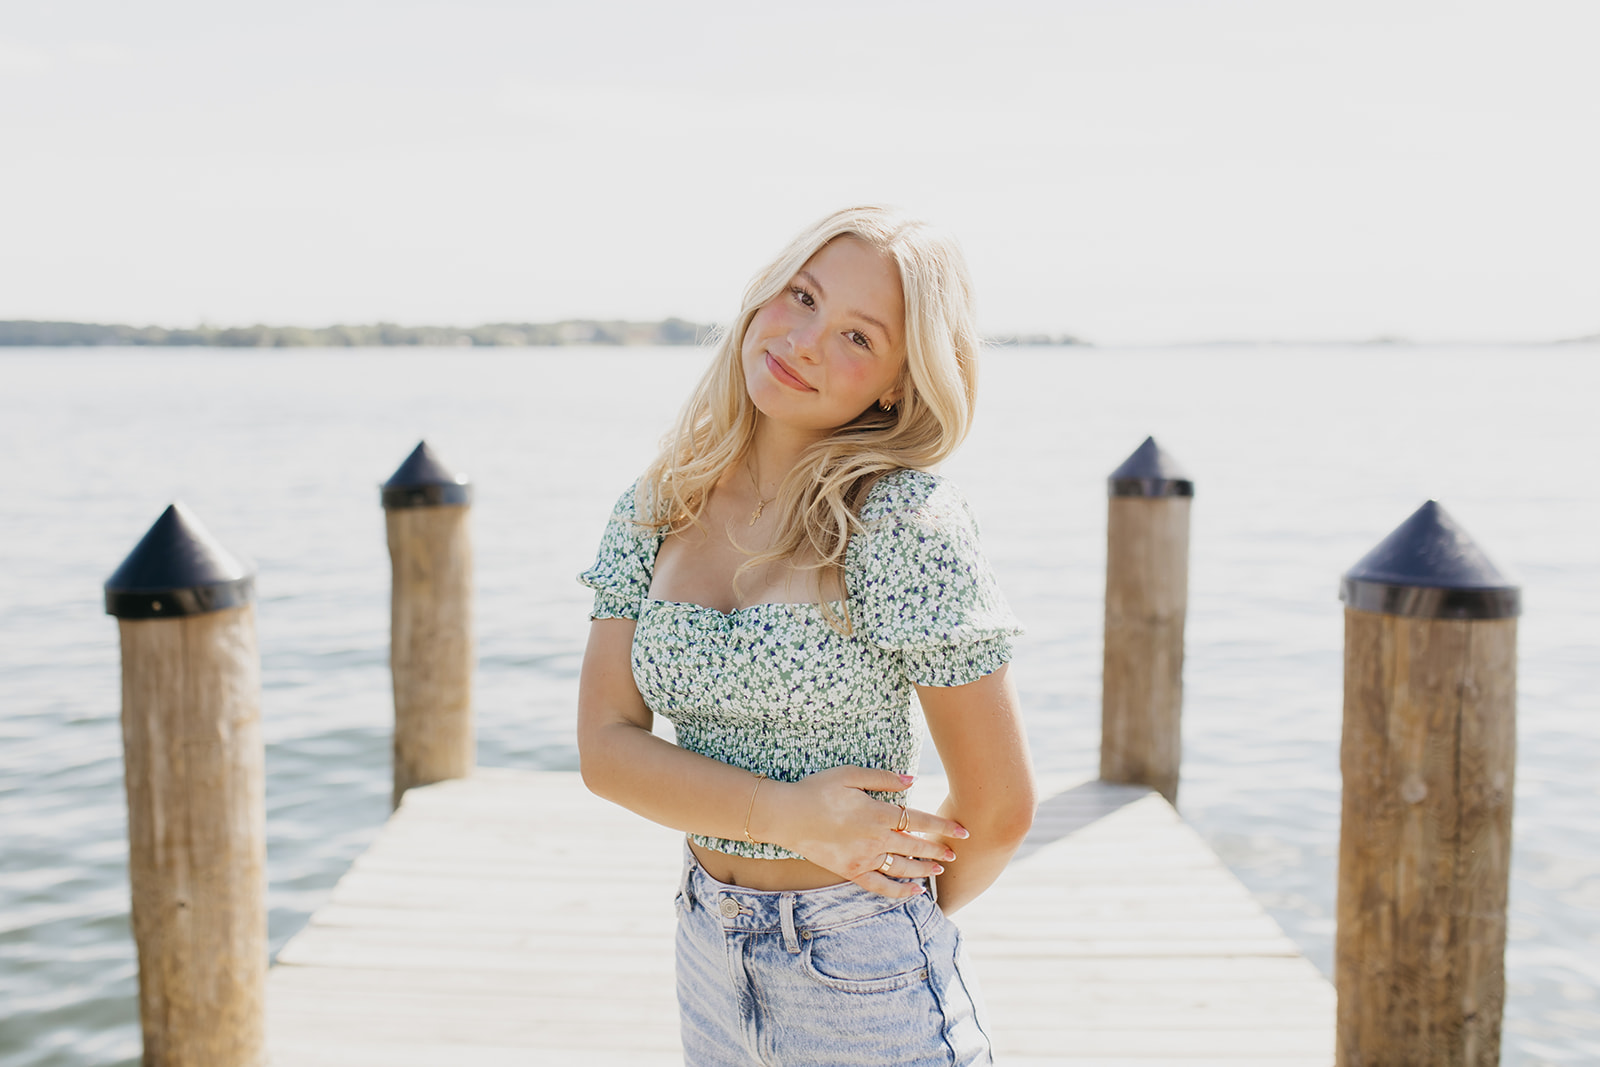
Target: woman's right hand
[830,819]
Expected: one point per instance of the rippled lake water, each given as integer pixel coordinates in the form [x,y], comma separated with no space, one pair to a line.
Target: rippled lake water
[1303,459]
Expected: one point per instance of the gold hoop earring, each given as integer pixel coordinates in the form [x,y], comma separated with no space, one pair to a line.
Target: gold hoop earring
[884,405]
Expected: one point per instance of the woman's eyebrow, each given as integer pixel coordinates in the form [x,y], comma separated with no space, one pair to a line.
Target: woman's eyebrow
[811,279]
[868,318]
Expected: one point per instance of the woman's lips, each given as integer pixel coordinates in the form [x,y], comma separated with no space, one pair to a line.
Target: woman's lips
[780,370]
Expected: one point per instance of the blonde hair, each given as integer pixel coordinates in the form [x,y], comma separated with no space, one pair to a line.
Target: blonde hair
[818,501]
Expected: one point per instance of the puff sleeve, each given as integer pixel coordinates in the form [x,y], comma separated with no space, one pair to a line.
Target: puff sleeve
[922,586]
[624,563]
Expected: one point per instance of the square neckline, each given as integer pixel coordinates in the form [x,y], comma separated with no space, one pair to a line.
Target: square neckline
[816,604]
[661,540]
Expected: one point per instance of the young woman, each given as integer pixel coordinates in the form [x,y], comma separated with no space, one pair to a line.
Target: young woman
[776,584]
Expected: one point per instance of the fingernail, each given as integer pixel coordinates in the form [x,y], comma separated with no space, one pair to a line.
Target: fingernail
[949,857]
[907,778]
[961,832]
[938,868]
[917,891]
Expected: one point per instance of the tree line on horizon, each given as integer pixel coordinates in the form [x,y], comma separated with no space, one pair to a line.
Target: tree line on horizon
[502,334]
[672,331]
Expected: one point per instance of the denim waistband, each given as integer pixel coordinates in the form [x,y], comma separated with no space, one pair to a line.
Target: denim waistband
[757,910]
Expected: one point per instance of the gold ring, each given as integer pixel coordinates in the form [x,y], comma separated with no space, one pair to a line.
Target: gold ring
[888,862]
[905,820]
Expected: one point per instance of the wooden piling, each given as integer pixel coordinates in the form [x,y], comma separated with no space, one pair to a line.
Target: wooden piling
[426,508]
[1429,759]
[1147,599]
[191,729]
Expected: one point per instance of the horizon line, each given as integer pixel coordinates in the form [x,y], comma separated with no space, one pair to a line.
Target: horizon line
[670,331]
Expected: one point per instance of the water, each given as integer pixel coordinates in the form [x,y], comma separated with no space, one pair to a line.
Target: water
[1303,460]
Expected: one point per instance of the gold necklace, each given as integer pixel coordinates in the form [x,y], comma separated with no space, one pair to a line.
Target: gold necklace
[761,502]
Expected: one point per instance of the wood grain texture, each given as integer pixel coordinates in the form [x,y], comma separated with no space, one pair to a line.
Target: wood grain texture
[431,644]
[1147,599]
[1428,758]
[512,917]
[191,729]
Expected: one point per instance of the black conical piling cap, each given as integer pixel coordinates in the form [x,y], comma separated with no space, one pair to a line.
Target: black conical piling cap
[423,481]
[1150,471]
[178,569]
[1429,568]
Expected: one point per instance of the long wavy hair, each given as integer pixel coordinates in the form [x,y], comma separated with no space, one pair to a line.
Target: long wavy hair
[819,500]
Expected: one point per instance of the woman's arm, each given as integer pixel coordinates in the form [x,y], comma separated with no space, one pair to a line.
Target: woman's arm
[826,817]
[977,729]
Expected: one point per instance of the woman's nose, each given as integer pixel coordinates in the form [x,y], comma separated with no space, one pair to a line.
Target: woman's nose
[805,339]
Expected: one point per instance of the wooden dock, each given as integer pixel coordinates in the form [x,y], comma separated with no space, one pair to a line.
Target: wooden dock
[514,918]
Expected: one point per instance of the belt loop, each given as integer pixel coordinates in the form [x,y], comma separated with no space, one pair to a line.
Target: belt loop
[688,870]
[933,888]
[791,940]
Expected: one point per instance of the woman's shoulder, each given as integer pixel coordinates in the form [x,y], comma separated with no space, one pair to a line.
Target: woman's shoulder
[635,505]
[625,559]
[921,584]
[916,496]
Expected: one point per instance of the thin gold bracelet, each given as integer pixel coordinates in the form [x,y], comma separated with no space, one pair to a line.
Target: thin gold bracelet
[751,810]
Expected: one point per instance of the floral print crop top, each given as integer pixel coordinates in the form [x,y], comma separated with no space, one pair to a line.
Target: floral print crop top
[776,690]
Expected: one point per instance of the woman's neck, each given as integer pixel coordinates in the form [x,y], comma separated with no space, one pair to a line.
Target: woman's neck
[774,451]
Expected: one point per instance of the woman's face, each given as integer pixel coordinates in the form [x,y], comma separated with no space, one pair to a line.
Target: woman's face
[832,343]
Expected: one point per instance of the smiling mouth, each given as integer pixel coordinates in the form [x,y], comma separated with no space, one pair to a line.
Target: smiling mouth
[780,370]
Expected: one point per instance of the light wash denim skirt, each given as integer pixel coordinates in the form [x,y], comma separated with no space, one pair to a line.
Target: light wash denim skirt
[832,977]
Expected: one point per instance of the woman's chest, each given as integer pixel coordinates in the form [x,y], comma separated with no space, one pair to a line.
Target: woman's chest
[767,658]
[711,565]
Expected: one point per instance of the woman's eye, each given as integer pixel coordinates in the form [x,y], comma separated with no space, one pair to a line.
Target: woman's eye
[802,296]
[859,338]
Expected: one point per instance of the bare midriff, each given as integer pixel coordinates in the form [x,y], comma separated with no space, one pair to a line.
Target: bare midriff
[763,874]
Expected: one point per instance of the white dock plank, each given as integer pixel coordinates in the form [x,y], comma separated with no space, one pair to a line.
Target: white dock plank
[502,919]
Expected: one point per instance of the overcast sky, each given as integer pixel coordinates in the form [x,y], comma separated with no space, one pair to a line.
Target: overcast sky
[1125,170]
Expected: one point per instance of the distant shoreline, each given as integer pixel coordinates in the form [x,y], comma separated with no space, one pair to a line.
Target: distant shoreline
[603,332]
[617,332]
[376,335]
[589,331]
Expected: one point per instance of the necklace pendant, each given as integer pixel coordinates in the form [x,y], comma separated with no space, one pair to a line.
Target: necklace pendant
[755,516]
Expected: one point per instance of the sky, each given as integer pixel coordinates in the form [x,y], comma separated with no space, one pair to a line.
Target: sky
[1124,171]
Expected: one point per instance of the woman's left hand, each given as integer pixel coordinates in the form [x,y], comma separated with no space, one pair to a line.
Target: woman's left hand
[830,819]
